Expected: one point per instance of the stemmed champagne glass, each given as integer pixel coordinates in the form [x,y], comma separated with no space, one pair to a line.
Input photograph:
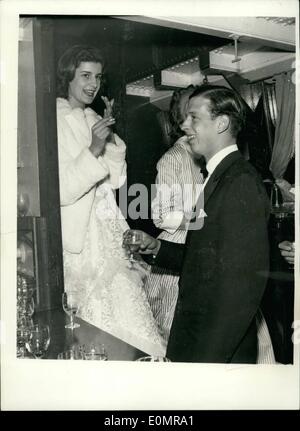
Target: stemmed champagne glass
[131,240]
[70,303]
[38,340]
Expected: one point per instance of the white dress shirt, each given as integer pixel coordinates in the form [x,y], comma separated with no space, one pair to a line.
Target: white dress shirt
[217,158]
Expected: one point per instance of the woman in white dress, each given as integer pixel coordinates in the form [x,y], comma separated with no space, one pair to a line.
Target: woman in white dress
[178,184]
[91,165]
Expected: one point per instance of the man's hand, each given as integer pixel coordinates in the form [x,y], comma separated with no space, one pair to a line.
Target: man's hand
[147,245]
[287,251]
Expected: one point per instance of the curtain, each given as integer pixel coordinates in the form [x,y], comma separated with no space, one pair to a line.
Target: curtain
[251,93]
[284,141]
[270,96]
[259,130]
[268,110]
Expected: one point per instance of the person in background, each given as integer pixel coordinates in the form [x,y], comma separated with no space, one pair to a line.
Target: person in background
[91,165]
[177,188]
[224,265]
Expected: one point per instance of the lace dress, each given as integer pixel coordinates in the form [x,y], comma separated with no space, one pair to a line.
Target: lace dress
[111,294]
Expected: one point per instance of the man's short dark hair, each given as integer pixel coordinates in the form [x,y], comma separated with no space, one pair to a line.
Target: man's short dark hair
[224,101]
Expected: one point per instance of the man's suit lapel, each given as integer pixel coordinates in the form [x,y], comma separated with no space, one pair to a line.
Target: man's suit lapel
[217,173]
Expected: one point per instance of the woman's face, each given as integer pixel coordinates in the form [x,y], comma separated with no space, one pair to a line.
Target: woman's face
[183,103]
[85,84]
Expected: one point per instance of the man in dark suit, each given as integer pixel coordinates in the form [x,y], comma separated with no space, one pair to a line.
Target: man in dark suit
[224,265]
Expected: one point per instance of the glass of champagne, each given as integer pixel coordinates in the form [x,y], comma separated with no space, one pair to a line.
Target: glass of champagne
[132,239]
[70,303]
[38,340]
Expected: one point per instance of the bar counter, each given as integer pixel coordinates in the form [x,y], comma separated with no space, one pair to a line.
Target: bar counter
[62,338]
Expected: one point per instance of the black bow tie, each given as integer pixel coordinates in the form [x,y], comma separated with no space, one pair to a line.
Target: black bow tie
[203,169]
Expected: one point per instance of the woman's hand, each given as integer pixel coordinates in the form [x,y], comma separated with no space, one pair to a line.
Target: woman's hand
[100,133]
[108,112]
[108,106]
[287,251]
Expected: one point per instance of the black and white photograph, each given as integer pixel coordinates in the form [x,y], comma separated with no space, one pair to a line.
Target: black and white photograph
[149,192]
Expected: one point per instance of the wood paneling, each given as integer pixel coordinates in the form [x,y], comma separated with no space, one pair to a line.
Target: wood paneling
[50,246]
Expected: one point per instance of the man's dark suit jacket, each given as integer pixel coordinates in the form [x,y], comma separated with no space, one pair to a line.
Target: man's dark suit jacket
[223,269]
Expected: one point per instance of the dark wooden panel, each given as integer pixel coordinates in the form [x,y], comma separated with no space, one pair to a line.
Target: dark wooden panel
[50,227]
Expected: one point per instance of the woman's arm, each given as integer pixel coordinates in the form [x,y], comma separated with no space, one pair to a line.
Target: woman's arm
[114,157]
[77,175]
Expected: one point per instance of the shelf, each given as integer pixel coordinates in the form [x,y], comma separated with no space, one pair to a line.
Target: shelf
[254,62]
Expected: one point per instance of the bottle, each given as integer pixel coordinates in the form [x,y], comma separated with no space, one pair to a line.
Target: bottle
[276,196]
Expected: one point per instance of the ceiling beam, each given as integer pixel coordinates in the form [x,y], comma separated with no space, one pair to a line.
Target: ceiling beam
[250,29]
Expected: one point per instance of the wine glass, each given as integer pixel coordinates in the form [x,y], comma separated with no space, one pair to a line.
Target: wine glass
[132,239]
[38,340]
[70,303]
[23,203]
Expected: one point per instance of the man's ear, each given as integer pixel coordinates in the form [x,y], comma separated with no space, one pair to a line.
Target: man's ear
[223,123]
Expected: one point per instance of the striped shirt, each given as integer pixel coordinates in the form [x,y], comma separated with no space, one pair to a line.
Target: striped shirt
[178,184]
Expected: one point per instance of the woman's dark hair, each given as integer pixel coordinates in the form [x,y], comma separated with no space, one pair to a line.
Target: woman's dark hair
[175,115]
[224,101]
[70,60]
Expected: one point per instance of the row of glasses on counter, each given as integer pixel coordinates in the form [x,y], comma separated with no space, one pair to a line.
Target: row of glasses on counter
[35,338]
[98,353]
[89,353]
[71,305]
